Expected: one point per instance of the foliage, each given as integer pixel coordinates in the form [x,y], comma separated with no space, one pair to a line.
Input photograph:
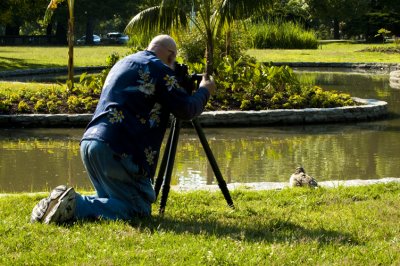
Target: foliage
[384,33]
[245,84]
[282,35]
[15,13]
[336,13]
[355,225]
[192,47]
[386,50]
[211,19]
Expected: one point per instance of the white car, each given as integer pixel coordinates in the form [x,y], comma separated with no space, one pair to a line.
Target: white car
[117,38]
[82,40]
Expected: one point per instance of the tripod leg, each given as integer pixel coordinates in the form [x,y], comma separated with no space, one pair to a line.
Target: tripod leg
[170,164]
[163,165]
[221,182]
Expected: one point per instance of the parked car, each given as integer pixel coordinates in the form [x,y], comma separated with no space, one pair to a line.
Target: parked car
[116,38]
[82,40]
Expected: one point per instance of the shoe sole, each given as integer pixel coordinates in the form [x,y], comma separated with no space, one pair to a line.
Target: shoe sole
[53,206]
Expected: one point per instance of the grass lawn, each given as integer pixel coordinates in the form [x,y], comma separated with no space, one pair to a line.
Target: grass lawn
[340,226]
[21,57]
[17,57]
[330,52]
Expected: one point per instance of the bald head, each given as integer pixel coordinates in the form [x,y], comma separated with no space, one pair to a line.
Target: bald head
[165,48]
[163,40]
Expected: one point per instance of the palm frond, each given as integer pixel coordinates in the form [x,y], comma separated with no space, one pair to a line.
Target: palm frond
[240,9]
[157,19]
[47,16]
[50,10]
[144,22]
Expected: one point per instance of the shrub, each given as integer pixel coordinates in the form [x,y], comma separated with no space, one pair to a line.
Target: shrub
[247,85]
[243,84]
[40,106]
[282,35]
[73,103]
[5,106]
[192,45]
[23,107]
[52,107]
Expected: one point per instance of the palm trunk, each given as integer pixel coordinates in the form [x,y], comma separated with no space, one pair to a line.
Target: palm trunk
[209,54]
[71,51]
[228,42]
[71,44]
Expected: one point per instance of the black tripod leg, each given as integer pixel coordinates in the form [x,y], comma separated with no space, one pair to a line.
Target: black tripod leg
[221,182]
[170,164]
[163,165]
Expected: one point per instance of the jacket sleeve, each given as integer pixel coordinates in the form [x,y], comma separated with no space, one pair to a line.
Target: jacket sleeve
[185,106]
[178,101]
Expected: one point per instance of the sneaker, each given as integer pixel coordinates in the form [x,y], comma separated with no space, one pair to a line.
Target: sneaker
[58,207]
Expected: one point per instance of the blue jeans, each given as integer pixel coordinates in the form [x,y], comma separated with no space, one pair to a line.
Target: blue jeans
[121,193]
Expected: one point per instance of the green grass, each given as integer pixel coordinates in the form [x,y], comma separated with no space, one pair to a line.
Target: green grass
[21,57]
[340,226]
[330,52]
[45,57]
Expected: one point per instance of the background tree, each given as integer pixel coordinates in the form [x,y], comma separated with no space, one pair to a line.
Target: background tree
[208,16]
[333,13]
[381,14]
[15,13]
[91,14]
[71,7]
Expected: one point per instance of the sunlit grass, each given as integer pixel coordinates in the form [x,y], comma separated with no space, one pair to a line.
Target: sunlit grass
[332,52]
[45,57]
[340,226]
[20,57]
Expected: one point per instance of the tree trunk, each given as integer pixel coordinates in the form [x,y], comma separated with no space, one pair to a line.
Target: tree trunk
[49,30]
[61,33]
[12,30]
[89,29]
[228,42]
[209,54]
[336,33]
[71,52]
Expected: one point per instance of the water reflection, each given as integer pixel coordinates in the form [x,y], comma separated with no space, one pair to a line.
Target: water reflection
[34,159]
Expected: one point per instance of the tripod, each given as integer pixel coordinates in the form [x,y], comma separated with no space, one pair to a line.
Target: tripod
[167,163]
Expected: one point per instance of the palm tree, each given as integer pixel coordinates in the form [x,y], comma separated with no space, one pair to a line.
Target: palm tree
[49,12]
[212,16]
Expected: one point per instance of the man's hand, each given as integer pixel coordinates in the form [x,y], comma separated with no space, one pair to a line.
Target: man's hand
[208,83]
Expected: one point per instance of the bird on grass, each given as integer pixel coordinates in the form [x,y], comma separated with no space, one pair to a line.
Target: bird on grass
[300,179]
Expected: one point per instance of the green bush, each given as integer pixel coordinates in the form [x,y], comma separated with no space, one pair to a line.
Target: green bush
[5,106]
[247,85]
[23,107]
[243,84]
[40,106]
[282,35]
[192,45]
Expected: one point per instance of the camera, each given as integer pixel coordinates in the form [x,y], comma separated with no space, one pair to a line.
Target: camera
[186,81]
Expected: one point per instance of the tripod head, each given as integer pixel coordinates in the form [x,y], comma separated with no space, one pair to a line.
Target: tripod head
[185,80]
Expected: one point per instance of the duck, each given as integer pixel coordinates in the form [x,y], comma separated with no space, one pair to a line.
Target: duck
[300,179]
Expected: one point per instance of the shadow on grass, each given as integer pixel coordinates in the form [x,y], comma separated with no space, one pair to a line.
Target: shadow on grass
[8,63]
[276,230]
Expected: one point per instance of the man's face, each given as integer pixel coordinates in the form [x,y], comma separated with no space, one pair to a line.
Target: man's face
[171,56]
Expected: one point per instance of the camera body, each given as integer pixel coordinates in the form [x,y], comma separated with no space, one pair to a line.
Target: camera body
[185,80]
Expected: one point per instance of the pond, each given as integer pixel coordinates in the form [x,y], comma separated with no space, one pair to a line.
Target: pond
[38,159]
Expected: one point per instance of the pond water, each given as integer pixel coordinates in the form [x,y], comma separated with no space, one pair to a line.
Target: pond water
[37,159]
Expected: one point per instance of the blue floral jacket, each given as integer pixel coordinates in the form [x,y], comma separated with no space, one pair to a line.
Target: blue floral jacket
[134,108]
